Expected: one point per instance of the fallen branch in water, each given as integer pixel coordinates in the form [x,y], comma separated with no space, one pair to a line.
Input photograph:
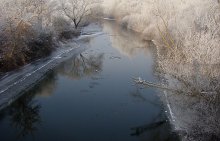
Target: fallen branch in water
[140,81]
[143,82]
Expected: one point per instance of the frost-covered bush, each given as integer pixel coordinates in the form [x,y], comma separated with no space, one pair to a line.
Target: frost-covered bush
[61,24]
[22,25]
[62,27]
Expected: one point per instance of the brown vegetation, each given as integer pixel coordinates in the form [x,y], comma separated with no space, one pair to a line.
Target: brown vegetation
[29,29]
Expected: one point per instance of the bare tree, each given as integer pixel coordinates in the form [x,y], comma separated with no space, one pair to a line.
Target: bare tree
[76,10]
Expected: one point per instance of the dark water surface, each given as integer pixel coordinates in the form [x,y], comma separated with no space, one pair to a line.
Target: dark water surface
[91,97]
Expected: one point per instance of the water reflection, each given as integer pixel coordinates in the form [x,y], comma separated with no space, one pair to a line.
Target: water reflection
[82,65]
[126,41]
[137,94]
[47,85]
[141,129]
[196,106]
[156,131]
[24,116]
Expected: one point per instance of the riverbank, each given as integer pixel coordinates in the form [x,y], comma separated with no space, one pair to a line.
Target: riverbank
[37,48]
[15,83]
[24,78]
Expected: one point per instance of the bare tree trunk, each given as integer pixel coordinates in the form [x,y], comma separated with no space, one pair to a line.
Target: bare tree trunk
[75,23]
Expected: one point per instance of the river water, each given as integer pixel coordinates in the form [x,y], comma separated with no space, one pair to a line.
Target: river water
[92,97]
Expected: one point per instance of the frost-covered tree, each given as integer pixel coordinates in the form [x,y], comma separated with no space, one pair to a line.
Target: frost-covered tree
[76,10]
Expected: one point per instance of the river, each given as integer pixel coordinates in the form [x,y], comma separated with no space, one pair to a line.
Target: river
[91,96]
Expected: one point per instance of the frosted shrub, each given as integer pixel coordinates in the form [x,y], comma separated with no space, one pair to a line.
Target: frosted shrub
[62,27]
[22,23]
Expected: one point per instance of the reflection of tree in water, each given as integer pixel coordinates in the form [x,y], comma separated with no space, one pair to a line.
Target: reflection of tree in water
[46,86]
[82,65]
[24,115]
[137,94]
[126,41]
